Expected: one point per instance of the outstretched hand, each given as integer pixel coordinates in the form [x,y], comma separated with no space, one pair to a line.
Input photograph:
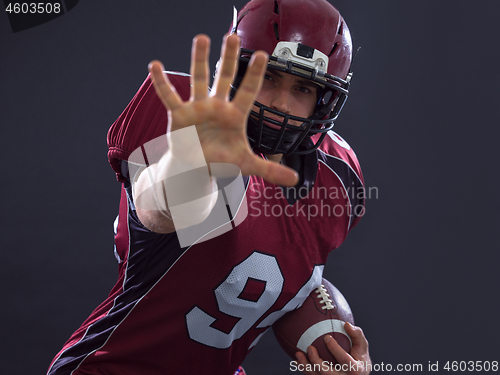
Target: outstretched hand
[220,123]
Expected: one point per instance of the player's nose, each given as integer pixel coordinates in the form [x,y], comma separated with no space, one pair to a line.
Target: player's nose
[281,100]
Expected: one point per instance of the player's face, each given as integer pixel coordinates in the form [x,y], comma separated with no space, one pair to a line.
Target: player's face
[288,94]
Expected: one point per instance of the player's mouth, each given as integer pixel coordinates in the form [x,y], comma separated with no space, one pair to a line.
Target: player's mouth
[277,123]
[273,126]
[279,120]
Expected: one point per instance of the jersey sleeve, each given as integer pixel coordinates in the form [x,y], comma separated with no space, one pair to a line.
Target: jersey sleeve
[145,118]
[342,160]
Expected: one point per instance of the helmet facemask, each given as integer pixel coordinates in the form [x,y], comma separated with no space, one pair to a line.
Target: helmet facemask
[331,95]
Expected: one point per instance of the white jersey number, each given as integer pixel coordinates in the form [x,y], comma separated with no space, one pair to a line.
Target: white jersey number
[259,267]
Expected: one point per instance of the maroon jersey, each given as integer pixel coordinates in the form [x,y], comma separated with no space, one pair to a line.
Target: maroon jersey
[200,309]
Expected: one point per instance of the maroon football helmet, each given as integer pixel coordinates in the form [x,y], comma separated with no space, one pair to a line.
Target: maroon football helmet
[307,38]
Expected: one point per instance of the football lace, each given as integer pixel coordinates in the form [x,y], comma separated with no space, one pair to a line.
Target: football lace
[325,298]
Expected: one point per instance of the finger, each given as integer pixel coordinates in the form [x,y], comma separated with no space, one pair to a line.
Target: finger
[272,172]
[302,360]
[357,336]
[199,67]
[252,82]
[164,89]
[313,355]
[316,360]
[343,357]
[227,69]
[338,352]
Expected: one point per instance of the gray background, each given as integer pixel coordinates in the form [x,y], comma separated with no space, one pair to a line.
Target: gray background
[421,269]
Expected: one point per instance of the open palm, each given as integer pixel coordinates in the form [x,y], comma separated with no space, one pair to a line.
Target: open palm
[220,123]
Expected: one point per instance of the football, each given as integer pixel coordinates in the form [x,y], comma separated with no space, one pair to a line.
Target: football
[324,311]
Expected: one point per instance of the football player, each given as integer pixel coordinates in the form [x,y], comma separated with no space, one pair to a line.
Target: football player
[196,291]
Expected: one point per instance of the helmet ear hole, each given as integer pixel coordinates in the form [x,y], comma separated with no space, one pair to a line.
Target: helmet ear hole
[276,7]
[327,97]
[333,49]
[276,31]
[326,103]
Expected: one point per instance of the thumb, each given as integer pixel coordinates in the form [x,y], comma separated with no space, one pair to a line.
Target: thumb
[273,172]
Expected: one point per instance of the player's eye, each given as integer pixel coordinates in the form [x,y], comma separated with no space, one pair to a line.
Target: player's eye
[307,89]
[269,77]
